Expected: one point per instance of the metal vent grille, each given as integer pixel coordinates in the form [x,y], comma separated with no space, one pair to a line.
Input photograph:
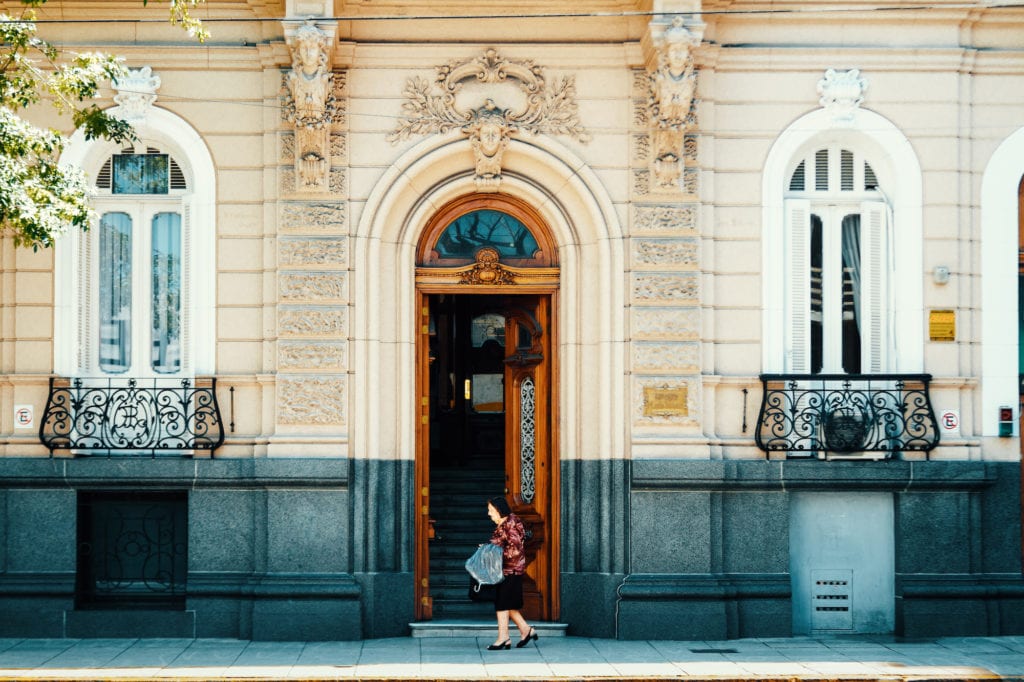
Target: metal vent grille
[832,600]
[103,179]
[177,176]
[821,170]
[846,170]
[798,182]
[870,180]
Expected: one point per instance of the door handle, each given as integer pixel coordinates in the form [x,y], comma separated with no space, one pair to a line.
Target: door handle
[468,389]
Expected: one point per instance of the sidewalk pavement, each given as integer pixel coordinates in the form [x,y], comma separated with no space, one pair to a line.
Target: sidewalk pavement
[552,658]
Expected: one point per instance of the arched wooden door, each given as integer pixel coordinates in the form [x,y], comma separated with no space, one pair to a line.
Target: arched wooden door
[488,404]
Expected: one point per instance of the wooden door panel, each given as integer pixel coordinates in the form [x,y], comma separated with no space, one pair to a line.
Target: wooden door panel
[527,367]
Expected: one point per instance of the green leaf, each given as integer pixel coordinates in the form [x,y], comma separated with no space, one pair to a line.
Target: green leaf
[40,199]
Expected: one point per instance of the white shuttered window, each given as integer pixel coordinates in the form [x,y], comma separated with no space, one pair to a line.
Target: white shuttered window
[135,307]
[838,267]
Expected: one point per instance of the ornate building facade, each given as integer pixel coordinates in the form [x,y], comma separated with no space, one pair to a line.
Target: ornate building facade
[718,296]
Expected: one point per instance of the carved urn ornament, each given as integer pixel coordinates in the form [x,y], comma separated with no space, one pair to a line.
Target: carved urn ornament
[493,114]
[309,104]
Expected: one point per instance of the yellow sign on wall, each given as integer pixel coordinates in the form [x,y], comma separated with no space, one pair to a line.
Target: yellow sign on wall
[665,402]
[942,325]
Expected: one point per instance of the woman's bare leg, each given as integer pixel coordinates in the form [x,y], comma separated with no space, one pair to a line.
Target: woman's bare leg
[517,618]
[502,626]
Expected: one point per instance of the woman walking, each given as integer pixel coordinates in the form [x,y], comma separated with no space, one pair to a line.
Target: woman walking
[510,536]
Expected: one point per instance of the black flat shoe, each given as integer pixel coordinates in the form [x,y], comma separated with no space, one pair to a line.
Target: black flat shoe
[507,644]
[526,640]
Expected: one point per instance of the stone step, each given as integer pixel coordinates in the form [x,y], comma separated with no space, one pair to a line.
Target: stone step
[478,627]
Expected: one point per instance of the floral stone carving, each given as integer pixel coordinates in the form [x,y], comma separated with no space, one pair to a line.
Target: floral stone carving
[545,108]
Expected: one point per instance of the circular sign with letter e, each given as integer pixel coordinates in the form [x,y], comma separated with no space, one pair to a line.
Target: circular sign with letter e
[949,422]
[24,418]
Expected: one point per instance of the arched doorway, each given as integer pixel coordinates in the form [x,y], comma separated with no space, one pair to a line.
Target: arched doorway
[487,282]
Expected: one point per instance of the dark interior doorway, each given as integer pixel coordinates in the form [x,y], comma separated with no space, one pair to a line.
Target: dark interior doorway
[467,440]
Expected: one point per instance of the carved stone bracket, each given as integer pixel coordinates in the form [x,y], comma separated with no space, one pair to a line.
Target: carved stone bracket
[309,103]
[842,93]
[673,83]
[491,118]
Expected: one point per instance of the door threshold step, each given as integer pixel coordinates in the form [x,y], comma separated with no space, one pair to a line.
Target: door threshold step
[475,627]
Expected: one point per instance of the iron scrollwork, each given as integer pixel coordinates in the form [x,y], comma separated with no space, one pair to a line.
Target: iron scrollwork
[527,435]
[846,413]
[133,549]
[107,414]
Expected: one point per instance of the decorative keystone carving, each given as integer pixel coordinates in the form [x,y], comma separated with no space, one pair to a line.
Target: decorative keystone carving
[841,93]
[489,125]
[309,103]
[136,93]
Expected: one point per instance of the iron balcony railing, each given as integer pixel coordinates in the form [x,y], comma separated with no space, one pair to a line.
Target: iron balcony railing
[131,416]
[814,415]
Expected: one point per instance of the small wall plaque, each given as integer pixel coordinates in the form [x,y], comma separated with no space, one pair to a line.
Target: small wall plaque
[665,402]
[942,325]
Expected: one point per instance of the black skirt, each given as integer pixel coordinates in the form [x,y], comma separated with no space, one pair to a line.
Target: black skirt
[509,594]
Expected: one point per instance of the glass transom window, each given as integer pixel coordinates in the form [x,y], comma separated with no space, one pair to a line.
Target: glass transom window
[486,227]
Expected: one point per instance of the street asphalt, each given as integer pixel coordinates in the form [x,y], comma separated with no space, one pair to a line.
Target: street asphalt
[550,658]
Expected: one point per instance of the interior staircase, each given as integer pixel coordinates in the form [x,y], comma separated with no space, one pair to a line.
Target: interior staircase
[458,505]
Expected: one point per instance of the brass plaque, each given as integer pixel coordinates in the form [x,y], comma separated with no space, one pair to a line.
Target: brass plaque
[665,402]
[942,325]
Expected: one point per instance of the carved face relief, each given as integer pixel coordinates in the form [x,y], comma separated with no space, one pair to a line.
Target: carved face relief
[490,138]
[678,59]
[308,55]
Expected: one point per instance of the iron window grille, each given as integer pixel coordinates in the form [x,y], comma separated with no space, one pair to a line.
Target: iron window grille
[132,550]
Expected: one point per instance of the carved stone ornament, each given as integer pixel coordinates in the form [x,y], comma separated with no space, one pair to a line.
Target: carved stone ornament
[434,108]
[842,93]
[136,93]
[673,84]
[309,103]
[487,269]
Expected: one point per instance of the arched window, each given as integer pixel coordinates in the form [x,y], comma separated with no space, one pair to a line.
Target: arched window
[127,292]
[838,265]
[463,227]
[136,260]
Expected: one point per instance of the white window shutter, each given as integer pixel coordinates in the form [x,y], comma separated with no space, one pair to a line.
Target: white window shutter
[88,280]
[187,356]
[798,286]
[874,259]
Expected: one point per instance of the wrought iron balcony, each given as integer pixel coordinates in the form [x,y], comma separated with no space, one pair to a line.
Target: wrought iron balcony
[131,416]
[815,415]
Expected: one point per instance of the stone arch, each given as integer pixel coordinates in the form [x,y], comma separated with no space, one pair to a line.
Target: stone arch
[999,187]
[582,219]
[899,172]
[181,140]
